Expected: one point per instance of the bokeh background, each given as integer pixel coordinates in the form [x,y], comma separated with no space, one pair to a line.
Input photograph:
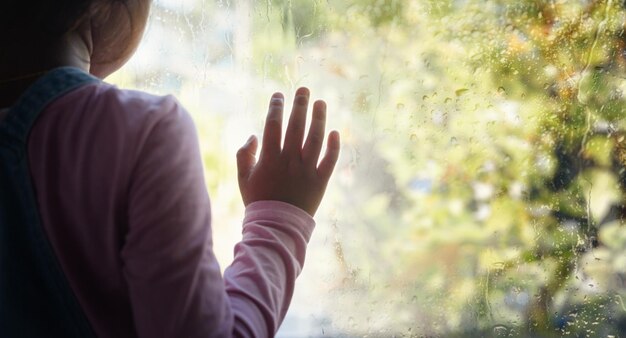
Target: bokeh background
[481,186]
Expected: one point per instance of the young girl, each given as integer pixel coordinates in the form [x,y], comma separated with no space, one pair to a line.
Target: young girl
[104,215]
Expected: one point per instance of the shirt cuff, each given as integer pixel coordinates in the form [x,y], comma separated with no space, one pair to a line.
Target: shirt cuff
[281,212]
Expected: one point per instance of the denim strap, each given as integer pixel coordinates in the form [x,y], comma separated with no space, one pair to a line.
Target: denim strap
[36,299]
[16,126]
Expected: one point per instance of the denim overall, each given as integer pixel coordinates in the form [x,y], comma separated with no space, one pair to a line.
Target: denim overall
[35,297]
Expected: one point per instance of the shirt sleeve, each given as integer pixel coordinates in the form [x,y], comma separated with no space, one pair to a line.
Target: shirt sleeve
[174,280]
[261,280]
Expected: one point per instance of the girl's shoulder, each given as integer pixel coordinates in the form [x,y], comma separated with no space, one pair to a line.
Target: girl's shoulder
[104,106]
[129,103]
[115,121]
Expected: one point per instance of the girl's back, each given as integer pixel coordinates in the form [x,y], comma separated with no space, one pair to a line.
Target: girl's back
[98,162]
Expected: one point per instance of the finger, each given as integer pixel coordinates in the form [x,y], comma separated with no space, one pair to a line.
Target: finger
[327,165]
[246,158]
[272,134]
[297,122]
[315,138]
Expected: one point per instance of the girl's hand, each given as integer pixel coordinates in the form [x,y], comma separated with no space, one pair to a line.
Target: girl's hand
[289,173]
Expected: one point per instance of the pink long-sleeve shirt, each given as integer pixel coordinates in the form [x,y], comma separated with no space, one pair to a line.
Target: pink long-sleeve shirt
[122,198]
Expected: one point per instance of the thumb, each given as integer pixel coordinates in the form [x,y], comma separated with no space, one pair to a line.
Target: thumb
[246,157]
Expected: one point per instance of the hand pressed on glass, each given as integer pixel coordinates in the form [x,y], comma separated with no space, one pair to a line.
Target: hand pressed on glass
[289,173]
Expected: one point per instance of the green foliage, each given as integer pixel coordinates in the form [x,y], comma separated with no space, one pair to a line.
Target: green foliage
[498,131]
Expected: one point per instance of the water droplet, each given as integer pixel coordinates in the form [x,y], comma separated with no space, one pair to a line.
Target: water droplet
[500,330]
[461,91]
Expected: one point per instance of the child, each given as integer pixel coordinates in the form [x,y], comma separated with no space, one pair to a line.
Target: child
[104,214]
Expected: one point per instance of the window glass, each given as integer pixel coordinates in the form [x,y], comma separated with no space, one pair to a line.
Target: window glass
[481,185]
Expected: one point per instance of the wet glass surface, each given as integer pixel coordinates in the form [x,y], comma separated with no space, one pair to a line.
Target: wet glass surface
[481,186]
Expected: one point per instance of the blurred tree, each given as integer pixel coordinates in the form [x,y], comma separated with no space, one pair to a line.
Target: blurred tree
[567,58]
[492,140]
[514,111]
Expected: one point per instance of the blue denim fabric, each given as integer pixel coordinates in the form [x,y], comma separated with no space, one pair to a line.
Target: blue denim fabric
[35,297]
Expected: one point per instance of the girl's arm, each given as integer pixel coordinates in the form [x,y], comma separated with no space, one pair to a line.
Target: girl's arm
[174,281]
[282,192]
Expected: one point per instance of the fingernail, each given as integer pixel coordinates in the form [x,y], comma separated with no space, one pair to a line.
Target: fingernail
[319,112]
[277,101]
[303,91]
[250,139]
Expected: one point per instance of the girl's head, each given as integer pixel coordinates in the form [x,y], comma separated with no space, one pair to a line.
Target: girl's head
[111,29]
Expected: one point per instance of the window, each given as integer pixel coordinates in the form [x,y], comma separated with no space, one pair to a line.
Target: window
[482,185]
